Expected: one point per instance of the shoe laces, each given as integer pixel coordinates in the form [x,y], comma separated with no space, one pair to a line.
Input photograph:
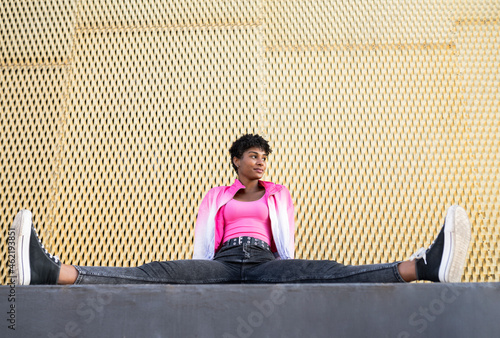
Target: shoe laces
[52,257]
[421,253]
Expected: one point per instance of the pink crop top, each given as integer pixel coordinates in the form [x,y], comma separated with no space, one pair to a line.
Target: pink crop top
[247,219]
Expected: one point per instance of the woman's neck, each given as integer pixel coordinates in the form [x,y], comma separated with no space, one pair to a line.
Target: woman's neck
[252,192]
[250,185]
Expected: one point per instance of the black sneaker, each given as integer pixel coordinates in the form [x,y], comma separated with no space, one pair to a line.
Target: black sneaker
[32,263]
[444,260]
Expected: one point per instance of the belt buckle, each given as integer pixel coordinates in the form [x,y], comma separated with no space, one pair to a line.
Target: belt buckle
[240,240]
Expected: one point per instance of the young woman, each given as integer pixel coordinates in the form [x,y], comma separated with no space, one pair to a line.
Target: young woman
[245,234]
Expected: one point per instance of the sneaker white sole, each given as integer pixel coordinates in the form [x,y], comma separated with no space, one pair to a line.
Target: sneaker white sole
[22,228]
[457,233]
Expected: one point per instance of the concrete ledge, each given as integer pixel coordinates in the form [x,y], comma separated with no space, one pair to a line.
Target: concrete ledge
[270,310]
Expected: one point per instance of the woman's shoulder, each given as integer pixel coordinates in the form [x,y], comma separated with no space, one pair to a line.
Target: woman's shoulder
[217,190]
[274,188]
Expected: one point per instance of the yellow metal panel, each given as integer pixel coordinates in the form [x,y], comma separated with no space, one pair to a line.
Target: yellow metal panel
[31,106]
[478,35]
[36,32]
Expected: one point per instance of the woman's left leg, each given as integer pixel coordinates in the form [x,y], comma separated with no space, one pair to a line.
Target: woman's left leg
[322,271]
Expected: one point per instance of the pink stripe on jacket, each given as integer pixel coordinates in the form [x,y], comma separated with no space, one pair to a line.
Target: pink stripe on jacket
[209,229]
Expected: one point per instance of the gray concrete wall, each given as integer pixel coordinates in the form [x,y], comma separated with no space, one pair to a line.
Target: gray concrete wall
[284,310]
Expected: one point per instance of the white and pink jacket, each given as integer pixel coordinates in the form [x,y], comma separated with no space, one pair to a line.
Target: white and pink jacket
[209,229]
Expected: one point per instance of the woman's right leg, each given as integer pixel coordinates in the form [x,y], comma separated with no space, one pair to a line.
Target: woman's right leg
[166,272]
[34,265]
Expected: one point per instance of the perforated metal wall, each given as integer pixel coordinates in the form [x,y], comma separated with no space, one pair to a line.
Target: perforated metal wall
[117,117]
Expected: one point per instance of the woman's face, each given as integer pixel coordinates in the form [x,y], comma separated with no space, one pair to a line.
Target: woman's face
[252,165]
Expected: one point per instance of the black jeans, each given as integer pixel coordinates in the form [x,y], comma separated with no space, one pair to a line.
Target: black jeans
[241,264]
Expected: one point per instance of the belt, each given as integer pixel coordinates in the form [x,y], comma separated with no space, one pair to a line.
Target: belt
[247,240]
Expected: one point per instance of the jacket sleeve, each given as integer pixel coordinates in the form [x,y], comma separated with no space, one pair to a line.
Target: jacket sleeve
[291,221]
[203,231]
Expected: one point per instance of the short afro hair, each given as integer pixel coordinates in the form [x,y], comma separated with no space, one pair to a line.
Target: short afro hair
[246,142]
